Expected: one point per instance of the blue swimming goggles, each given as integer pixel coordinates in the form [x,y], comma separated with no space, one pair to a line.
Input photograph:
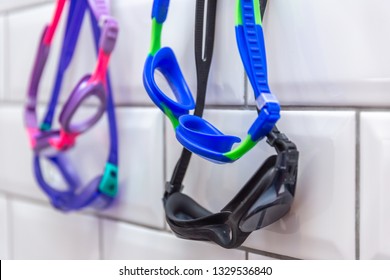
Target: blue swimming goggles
[193,132]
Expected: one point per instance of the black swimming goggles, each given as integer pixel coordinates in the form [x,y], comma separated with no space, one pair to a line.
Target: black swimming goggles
[263,200]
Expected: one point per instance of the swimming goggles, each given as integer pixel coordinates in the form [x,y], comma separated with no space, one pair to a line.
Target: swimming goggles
[194,133]
[264,199]
[51,143]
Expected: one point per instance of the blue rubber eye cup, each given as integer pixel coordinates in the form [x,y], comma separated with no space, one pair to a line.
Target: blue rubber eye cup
[166,63]
[194,133]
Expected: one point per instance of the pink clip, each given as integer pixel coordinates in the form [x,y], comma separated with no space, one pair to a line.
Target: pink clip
[101,67]
[53,25]
[65,140]
[32,133]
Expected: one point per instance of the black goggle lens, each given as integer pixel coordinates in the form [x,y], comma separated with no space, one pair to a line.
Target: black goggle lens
[268,208]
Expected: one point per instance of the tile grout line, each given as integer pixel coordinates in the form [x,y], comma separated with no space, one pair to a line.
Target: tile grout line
[238,107]
[266,253]
[357,186]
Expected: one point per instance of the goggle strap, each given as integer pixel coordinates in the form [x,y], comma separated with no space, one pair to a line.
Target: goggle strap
[100,8]
[113,156]
[72,31]
[54,23]
[263,6]
[204,46]
[280,141]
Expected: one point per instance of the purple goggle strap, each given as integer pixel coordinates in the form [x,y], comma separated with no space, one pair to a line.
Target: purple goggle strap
[72,32]
[75,17]
[70,199]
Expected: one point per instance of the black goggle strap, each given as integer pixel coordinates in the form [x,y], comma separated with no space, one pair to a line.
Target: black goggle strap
[283,145]
[263,6]
[204,45]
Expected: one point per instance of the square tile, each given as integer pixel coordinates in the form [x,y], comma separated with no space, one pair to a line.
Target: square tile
[374,208]
[321,224]
[52,235]
[16,157]
[312,61]
[141,167]
[3,228]
[122,241]
[226,83]
[131,50]
[226,80]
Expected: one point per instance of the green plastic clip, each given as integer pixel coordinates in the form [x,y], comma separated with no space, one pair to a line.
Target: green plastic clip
[45,127]
[109,182]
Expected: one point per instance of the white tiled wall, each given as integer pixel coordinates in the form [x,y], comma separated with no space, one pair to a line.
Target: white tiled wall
[348,53]
[16,174]
[40,233]
[329,68]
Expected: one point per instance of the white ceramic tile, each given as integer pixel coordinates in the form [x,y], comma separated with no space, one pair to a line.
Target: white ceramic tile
[374,191]
[2,44]
[14,4]
[131,50]
[42,233]
[16,172]
[321,223]
[3,228]
[19,59]
[122,241]
[252,256]
[319,55]
[226,78]
[140,167]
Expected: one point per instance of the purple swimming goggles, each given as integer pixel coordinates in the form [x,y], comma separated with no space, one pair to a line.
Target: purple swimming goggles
[49,143]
